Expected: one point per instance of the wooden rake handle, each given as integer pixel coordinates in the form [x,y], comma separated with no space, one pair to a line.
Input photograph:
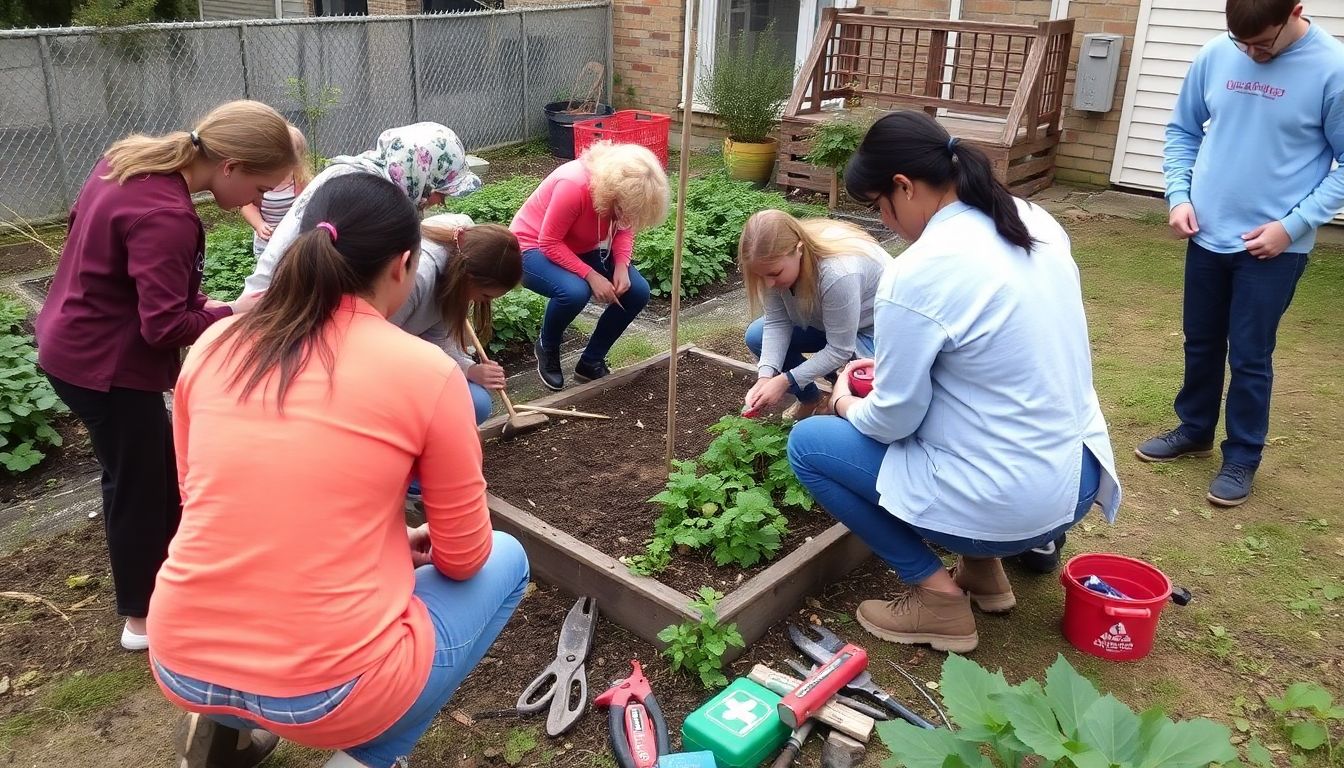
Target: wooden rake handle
[480,350]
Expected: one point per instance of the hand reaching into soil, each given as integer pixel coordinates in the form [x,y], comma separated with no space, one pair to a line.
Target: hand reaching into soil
[767,391]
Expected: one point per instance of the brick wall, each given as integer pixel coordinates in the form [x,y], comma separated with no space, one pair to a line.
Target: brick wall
[648,40]
[394,7]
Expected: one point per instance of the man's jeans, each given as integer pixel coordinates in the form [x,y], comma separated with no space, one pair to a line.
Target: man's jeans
[1233,304]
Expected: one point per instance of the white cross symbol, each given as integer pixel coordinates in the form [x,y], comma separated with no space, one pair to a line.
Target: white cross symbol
[740,709]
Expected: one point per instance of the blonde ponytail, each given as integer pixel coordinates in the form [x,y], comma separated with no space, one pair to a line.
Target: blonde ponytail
[249,132]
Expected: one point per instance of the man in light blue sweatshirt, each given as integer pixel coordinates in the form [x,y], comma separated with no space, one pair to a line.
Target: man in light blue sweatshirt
[1259,120]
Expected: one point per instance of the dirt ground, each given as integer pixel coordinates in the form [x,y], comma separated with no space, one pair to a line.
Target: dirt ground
[565,473]
[1263,575]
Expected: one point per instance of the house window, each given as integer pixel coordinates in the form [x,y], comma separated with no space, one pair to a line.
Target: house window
[796,23]
[341,7]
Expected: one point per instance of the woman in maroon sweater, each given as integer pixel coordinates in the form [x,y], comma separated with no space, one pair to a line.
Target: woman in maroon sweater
[126,298]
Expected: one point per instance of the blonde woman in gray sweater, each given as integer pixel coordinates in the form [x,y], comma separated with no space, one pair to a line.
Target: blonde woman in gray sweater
[812,282]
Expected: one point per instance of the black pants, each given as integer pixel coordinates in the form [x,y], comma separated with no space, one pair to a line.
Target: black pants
[132,437]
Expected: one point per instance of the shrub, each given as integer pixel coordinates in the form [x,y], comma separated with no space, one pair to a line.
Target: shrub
[27,402]
[747,85]
[228,261]
[516,317]
[698,647]
[493,203]
[717,208]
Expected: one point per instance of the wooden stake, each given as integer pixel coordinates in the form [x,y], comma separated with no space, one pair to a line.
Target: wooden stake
[683,171]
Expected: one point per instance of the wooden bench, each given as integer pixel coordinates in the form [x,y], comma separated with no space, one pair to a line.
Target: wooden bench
[997,86]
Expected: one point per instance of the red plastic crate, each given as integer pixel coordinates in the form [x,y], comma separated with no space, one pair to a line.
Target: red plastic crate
[629,126]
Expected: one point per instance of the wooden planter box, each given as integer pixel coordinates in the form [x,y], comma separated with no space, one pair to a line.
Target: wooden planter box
[645,605]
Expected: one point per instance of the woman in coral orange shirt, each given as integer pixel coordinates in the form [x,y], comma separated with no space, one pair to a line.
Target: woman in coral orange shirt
[295,601]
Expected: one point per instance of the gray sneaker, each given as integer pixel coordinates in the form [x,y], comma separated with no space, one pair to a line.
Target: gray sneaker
[1172,445]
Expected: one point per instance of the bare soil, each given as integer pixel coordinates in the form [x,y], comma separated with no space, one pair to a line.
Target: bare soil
[591,478]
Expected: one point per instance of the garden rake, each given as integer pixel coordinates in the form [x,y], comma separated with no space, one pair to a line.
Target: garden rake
[518,423]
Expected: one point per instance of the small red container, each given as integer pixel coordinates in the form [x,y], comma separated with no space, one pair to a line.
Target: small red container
[861,380]
[629,126]
[1106,627]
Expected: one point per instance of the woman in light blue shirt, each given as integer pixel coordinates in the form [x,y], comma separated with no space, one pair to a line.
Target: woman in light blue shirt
[983,433]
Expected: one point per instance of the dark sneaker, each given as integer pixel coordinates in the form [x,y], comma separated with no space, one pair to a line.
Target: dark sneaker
[1171,446]
[1043,559]
[202,743]
[1232,485]
[548,367]
[584,371]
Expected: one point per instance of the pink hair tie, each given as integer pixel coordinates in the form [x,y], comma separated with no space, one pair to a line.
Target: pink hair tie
[331,229]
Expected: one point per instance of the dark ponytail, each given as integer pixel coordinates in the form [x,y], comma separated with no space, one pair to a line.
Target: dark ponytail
[353,226]
[911,143]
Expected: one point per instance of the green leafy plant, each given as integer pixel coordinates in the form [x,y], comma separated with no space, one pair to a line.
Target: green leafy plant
[717,208]
[698,647]
[516,318]
[494,203]
[1308,712]
[28,404]
[726,500]
[1066,722]
[836,140]
[316,104]
[113,13]
[13,313]
[747,84]
[228,261]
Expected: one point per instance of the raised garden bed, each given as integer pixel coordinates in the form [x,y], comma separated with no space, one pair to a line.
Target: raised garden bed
[575,495]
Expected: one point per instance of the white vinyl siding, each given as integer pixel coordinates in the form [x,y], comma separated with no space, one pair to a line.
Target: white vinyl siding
[1168,35]
[221,10]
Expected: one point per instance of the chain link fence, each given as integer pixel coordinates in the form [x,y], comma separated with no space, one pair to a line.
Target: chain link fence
[69,93]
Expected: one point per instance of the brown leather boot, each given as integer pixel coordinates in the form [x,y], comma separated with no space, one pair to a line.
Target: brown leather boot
[921,615]
[983,578]
[202,743]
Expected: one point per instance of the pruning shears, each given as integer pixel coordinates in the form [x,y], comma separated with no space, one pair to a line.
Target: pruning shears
[637,728]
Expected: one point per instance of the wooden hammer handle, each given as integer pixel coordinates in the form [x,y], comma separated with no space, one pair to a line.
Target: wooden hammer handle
[843,719]
[480,350]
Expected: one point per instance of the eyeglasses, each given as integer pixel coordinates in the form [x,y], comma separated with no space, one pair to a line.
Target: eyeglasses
[1246,47]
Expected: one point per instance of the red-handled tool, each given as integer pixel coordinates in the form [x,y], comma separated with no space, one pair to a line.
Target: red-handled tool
[638,730]
[861,380]
[824,682]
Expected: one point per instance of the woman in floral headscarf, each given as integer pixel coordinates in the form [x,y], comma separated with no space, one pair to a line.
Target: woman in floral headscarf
[426,160]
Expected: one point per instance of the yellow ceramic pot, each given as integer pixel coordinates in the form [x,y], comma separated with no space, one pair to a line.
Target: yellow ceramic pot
[750,161]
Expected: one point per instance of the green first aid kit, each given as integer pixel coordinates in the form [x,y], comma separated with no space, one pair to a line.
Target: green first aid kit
[741,726]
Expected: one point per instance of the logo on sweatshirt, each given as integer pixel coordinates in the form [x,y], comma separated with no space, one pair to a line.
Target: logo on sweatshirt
[1256,88]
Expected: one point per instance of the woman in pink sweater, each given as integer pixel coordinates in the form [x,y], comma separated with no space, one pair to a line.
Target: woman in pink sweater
[577,232]
[295,601]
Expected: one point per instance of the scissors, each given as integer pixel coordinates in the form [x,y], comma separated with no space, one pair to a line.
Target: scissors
[563,685]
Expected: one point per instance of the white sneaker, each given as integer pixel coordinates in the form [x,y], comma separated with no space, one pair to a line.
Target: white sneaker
[132,641]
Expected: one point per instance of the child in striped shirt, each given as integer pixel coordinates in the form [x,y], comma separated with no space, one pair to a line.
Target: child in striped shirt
[277,202]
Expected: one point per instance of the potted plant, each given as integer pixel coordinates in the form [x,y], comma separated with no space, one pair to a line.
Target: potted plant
[746,87]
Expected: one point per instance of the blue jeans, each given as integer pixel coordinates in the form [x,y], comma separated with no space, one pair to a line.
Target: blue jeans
[839,466]
[480,401]
[467,617]
[1233,304]
[570,293]
[805,340]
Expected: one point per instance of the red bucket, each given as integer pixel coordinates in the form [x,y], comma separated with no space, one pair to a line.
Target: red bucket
[1107,627]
